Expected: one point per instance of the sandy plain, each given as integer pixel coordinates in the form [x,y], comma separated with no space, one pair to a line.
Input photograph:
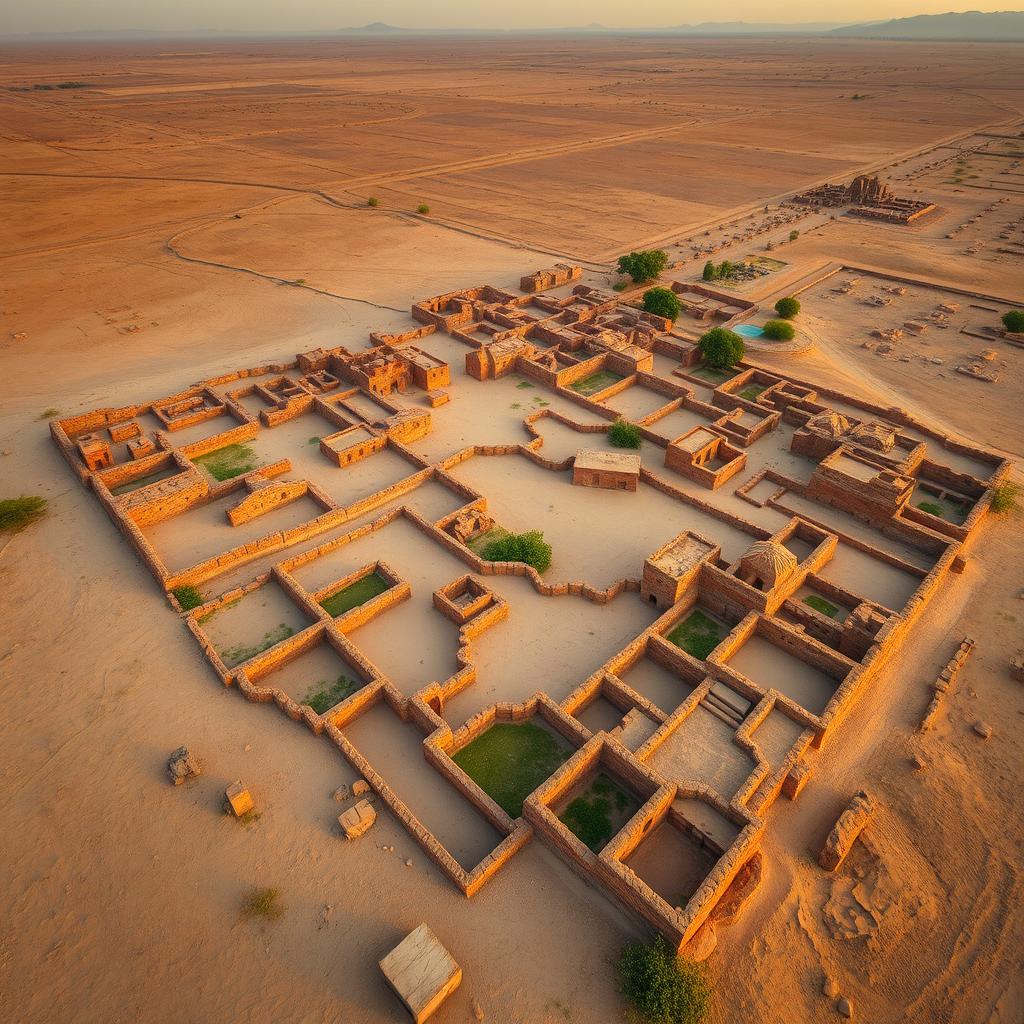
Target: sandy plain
[154,222]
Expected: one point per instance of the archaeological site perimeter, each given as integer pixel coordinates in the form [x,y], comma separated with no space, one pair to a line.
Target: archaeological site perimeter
[728,590]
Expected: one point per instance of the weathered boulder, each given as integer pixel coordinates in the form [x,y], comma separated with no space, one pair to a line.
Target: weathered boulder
[182,765]
[360,787]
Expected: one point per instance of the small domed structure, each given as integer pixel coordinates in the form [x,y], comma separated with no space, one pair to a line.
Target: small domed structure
[874,435]
[829,422]
[766,564]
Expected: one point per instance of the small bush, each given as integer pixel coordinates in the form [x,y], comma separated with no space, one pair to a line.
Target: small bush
[188,597]
[794,235]
[621,286]
[787,307]
[17,513]
[48,414]
[623,434]
[423,209]
[721,348]
[779,330]
[662,302]
[263,903]
[1014,321]
[645,265]
[373,201]
[529,547]
[1004,498]
[664,988]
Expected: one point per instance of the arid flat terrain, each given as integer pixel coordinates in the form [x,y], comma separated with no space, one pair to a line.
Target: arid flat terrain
[184,210]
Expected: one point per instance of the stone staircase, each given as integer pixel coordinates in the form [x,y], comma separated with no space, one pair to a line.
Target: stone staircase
[726,705]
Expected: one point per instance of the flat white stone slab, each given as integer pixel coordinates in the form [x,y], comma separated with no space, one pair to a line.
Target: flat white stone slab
[422,972]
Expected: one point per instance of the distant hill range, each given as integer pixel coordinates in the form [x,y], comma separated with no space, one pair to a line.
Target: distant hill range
[1004,26]
[968,26]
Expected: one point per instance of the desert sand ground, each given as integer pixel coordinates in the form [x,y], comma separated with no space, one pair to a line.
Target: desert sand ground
[155,221]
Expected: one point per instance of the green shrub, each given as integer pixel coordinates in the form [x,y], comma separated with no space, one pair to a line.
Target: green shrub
[620,286]
[17,513]
[373,201]
[529,547]
[48,414]
[1014,321]
[662,302]
[779,330]
[624,434]
[664,988]
[721,348]
[263,903]
[787,307]
[645,265]
[423,209]
[1004,498]
[794,235]
[188,597]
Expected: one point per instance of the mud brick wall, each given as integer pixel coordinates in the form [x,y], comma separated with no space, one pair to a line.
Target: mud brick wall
[166,498]
[294,408]
[266,499]
[378,339]
[236,435]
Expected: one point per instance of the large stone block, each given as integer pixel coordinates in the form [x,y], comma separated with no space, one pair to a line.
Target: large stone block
[421,972]
[357,820]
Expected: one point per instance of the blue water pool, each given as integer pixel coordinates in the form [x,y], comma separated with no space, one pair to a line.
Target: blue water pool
[748,330]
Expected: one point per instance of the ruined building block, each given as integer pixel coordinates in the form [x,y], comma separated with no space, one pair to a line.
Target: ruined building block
[238,799]
[357,820]
[421,972]
[124,431]
[95,452]
[844,834]
[182,765]
[140,447]
[614,471]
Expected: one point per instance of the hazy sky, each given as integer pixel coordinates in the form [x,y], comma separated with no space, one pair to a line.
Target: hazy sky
[301,15]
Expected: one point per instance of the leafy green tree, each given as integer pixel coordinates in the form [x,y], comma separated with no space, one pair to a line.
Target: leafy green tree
[664,988]
[787,307]
[710,270]
[1014,321]
[721,348]
[779,330]
[644,265]
[662,302]
[529,547]
[624,434]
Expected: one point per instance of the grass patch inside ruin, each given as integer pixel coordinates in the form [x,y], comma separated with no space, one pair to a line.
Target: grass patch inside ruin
[233,656]
[188,597]
[510,760]
[599,812]
[751,393]
[228,462]
[264,903]
[364,589]
[595,382]
[17,513]
[698,634]
[820,604]
[325,695]
[713,374]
